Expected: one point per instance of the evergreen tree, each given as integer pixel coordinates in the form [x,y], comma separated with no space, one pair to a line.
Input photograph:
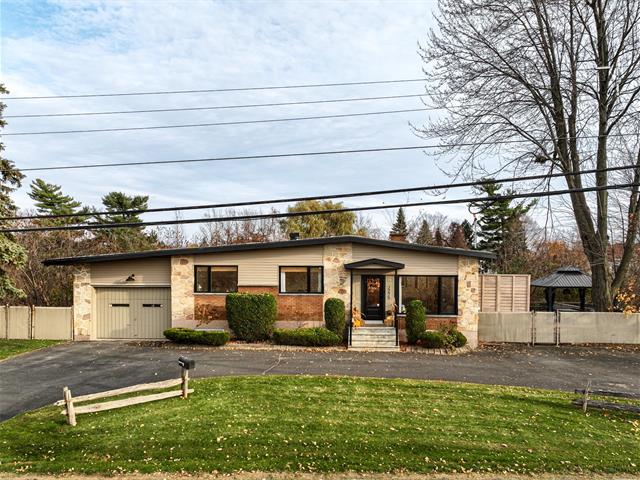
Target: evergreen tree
[400,226]
[424,237]
[456,236]
[124,208]
[501,227]
[11,253]
[50,200]
[326,225]
[469,234]
[438,239]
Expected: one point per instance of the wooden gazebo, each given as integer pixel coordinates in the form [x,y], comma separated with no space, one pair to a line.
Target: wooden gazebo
[564,277]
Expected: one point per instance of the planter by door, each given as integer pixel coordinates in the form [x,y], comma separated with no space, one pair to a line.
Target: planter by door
[373,289]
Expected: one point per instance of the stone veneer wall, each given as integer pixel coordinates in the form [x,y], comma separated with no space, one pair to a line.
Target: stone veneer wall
[469,298]
[182,297]
[337,279]
[82,303]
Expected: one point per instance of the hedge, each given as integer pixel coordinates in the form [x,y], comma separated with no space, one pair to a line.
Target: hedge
[446,337]
[251,316]
[416,321]
[334,316]
[431,339]
[203,337]
[306,337]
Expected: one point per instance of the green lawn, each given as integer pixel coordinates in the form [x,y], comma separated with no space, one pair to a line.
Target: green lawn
[330,424]
[9,348]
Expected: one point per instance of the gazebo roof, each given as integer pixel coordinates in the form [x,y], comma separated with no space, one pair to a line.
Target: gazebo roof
[564,277]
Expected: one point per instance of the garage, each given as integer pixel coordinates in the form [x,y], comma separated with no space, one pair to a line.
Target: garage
[132,312]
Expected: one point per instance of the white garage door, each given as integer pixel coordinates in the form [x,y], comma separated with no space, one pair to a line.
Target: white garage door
[134,312]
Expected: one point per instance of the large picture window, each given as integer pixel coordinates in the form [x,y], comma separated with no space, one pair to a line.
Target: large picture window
[438,294]
[301,280]
[216,279]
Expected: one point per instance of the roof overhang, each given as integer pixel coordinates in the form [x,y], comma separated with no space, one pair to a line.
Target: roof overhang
[271,245]
[374,263]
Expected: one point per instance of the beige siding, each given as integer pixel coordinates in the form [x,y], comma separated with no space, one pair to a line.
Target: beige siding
[148,271]
[132,312]
[416,263]
[504,293]
[260,267]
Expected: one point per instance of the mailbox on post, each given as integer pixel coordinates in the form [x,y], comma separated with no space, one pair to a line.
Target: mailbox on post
[187,363]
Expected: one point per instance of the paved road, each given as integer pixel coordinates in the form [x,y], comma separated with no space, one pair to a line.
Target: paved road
[36,379]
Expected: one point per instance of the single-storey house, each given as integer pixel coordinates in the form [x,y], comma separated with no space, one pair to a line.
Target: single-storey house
[140,294]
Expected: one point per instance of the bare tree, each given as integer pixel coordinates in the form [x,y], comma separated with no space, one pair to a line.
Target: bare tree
[547,84]
[241,231]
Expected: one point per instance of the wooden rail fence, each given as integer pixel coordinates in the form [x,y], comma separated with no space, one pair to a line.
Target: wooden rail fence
[72,408]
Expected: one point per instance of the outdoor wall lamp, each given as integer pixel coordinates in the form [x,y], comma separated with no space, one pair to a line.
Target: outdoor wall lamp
[131,278]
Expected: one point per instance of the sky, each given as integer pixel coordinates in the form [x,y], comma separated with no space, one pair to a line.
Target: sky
[82,47]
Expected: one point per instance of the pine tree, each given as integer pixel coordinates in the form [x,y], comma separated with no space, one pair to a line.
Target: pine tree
[424,237]
[124,208]
[50,200]
[11,253]
[469,235]
[400,226]
[438,239]
[501,227]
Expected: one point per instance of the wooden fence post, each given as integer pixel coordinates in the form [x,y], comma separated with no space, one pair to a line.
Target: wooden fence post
[586,397]
[68,401]
[32,322]
[185,383]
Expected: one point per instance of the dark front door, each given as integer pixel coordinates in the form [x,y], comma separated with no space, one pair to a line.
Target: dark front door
[373,297]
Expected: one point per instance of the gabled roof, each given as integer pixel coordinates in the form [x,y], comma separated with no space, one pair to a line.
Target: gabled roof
[270,245]
[372,262]
[564,277]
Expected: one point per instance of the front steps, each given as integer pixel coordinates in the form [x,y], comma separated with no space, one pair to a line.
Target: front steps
[373,339]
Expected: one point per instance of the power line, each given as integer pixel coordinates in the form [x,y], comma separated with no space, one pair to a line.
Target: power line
[219,107]
[325,197]
[217,124]
[210,90]
[317,212]
[300,154]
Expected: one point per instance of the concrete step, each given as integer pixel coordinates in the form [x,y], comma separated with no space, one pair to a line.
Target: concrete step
[375,349]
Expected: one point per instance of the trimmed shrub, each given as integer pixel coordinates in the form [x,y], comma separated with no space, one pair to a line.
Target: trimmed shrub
[251,316]
[433,340]
[202,337]
[458,340]
[416,321]
[306,337]
[334,316]
[453,337]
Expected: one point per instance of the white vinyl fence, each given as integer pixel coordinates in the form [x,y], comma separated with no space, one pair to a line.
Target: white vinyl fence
[42,323]
[559,327]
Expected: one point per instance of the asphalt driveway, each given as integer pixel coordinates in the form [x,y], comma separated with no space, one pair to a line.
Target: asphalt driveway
[36,379]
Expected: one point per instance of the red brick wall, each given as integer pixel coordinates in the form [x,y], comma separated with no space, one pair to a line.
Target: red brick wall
[291,308]
[433,323]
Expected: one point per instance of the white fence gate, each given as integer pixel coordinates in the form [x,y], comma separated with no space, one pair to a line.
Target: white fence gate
[42,323]
[559,327]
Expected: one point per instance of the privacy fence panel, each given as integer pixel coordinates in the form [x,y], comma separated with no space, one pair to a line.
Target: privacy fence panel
[19,323]
[599,327]
[559,327]
[42,323]
[52,323]
[504,293]
[544,324]
[3,322]
[505,327]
